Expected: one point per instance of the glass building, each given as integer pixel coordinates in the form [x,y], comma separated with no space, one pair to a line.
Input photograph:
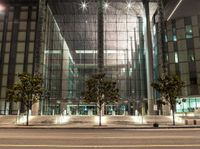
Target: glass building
[18,43]
[180,54]
[63,39]
[71,54]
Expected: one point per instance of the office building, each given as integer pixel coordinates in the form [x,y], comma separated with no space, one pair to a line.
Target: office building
[68,40]
[180,55]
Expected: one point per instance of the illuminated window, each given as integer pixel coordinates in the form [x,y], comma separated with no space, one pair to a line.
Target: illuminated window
[188,31]
[166,38]
[1,26]
[22,36]
[18,68]
[174,34]
[176,57]
[30,58]
[24,15]
[4,80]
[32,35]
[191,55]
[22,25]
[21,46]
[5,69]
[6,58]
[10,17]
[130,71]
[8,37]
[3,92]
[20,58]
[7,47]
[32,25]
[10,24]
[166,57]
[34,15]
[174,38]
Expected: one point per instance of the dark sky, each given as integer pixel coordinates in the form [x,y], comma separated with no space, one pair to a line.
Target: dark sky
[187,8]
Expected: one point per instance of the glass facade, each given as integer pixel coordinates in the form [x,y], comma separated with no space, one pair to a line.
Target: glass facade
[60,40]
[181,48]
[190,105]
[71,57]
[36,36]
[17,40]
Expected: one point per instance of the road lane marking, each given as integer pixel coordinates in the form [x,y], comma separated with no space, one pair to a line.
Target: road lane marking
[162,129]
[100,146]
[98,137]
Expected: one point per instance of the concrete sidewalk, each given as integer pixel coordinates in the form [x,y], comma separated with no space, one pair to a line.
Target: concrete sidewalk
[80,126]
[91,122]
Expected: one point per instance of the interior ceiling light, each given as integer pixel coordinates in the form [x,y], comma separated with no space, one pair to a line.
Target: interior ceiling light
[94,51]
[175,8]
[129,5]
[106,5]
[84,5]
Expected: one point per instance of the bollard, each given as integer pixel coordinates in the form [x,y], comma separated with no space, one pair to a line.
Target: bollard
[155,124]
[195,122]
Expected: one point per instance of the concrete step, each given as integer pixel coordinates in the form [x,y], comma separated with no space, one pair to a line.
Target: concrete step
[93,120]
[45,119]
[8,119]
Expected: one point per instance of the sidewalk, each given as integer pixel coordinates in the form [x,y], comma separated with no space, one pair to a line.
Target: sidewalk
[91,122]
[97,127]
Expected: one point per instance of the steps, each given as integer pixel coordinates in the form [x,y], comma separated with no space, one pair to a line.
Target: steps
[93,120]
[8,119]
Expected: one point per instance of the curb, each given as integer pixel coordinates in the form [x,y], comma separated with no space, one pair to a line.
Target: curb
[97,127]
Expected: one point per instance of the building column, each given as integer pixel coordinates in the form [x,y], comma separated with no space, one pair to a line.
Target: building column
[161,37]
[149,59]
[4,106]
[100,50]
[39,45]
[39,40]
[100,58]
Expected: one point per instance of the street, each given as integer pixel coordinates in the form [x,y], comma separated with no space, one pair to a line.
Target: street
[100,138]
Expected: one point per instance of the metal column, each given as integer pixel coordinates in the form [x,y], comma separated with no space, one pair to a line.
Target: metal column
[149,60]
[100,59]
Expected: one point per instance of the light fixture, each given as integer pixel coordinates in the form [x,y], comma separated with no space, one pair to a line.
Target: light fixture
[129,5]
[2,8]
[94,51]
[180,1]
[106,5]
[84,5]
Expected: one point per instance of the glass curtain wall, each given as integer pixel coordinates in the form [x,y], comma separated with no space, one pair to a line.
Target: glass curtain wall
[71,56]
[17,43]
[181,53]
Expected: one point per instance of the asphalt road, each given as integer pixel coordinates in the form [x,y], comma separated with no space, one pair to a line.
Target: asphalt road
[100,138]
